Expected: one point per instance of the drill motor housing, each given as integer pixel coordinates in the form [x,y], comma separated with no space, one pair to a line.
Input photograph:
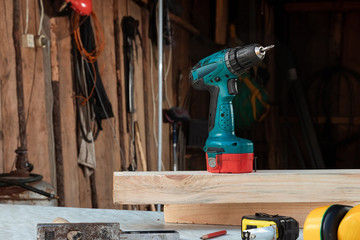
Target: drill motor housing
[218,73]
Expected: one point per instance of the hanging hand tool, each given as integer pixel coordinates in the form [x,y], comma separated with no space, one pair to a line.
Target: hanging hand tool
[217,73]
[268,227]
[175,115]
[130,28]
[91,95]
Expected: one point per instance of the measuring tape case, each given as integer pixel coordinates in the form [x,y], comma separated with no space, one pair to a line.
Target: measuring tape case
[287,228]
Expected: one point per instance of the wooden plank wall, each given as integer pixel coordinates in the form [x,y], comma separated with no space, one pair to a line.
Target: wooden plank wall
[9,119]
[111,153]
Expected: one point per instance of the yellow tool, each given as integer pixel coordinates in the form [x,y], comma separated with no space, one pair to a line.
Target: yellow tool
[349,227]
[322,223]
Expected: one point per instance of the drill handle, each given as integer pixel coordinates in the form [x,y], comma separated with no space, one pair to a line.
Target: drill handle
[214,96]
[221,114]
[220,109]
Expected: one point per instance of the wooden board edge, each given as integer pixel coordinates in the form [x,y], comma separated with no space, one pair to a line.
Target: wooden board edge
[231,214]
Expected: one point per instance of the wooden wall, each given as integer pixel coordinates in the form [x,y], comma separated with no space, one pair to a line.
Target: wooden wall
[315,48]
[43,68]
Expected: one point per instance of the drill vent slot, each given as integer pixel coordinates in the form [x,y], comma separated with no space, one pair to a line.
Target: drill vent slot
[225,120]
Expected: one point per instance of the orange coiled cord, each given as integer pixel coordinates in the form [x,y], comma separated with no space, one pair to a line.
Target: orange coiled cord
[99,34]
[90,57]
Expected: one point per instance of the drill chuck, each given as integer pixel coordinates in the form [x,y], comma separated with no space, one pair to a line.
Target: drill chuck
[239,59]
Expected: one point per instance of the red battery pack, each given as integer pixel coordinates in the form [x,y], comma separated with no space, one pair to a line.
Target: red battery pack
[232,163]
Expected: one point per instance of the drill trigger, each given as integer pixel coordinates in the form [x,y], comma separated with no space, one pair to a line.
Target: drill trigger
[232,86]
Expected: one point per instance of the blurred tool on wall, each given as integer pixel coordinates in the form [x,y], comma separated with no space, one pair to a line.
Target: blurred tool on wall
[130,28]
[175,116]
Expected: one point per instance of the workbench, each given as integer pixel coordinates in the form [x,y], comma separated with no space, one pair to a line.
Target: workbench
[18,222]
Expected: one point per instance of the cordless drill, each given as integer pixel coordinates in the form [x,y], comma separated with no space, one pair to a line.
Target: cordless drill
[218,73]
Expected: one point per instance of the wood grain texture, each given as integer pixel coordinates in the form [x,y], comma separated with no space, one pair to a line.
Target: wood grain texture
[68,117]
[35,106]
[184,24]
[221,21]
[117,9]
[56,116]
[9,119]
[49,99]
[107,147]
[276,186]
[231,213]
[322,6]
[139,115]
[272,123]
[148,113]
[120,12]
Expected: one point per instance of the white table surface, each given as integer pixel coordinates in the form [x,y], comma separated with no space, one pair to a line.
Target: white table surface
[19,221]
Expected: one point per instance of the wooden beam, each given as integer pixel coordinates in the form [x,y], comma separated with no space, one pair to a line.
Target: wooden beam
[231,213]
[274,186]
[184,24]
[221,21]
[337,6]
[355,120]
[67,115]
[107,148]
[9,129]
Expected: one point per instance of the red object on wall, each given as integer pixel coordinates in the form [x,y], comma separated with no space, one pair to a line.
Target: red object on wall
[83,7]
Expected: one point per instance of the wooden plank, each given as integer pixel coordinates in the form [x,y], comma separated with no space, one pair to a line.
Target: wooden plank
[231,213]
[118,13]
[139,115]
[9,119]
[355,120]
[338,6]
[85,194]
[184,24]
[168,92]
[152,87]
[107,145]
[121,11]
[147,92]
[48,98]
[68,117]
[221,21]
[276,186]
[272,135]
[56,116]
[35,105]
